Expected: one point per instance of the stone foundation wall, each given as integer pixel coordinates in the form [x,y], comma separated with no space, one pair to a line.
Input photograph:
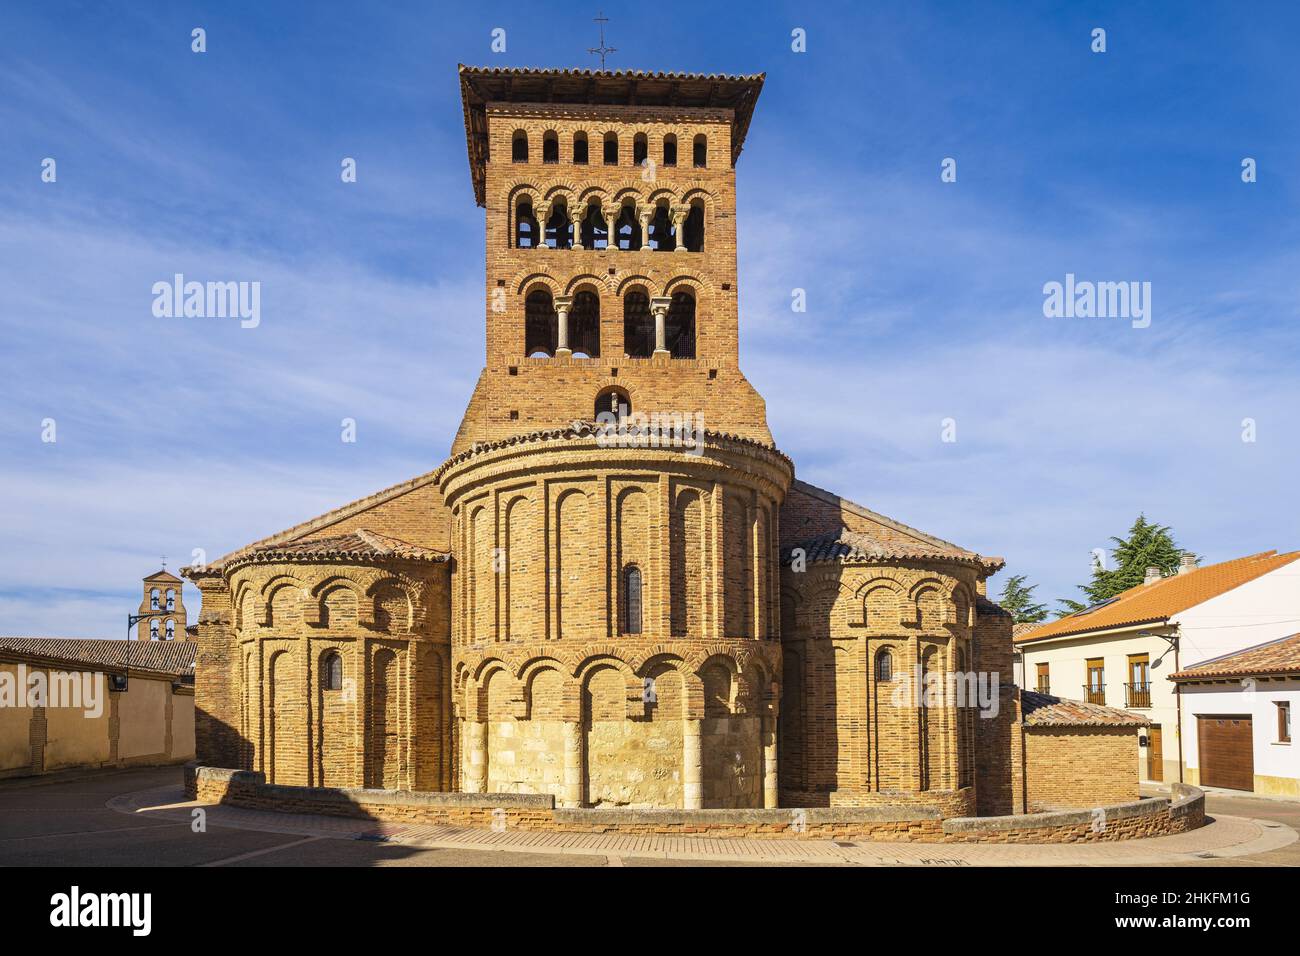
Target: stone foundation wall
[1143,818]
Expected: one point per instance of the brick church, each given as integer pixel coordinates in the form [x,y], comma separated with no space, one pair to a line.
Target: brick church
[581,603]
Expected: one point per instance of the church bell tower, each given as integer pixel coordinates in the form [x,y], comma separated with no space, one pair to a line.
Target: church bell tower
[611,247]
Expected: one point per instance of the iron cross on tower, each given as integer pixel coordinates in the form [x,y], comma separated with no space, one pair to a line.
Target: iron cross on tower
[602,49]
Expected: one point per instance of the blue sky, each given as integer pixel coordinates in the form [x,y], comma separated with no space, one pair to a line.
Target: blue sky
[924,298]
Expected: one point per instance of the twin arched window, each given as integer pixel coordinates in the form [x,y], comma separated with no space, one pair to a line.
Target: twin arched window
[519,147]
[541,324]
[331,671]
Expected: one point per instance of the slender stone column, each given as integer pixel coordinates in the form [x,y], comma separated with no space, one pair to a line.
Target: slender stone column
[679,214]
[562,306]
[575,220]
[571,795]
[644,213]
[692,766]
[543,213]
[659,309]
[476,756]
[771,789]
[610,213]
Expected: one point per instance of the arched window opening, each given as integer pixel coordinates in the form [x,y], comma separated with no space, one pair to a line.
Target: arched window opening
[331,671]
[558,228]
[670,150]
[611,149]
[171,630]
[153,630]
[171,600]
[595,230]
[701,151]
[541,325]
[638,325]
[884,666]
[525,225]
[584,324]
[693,231]
[153,599]
[580,148]
[550,147]
[519,147]
[628,229]
[661,230]
[679,325]
[631,599]
[612,404]
[640,149]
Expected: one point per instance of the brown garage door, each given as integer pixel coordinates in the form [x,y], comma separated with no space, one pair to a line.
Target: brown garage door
[1226,750]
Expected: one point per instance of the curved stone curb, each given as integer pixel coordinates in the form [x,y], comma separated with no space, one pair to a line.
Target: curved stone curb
[1224,837]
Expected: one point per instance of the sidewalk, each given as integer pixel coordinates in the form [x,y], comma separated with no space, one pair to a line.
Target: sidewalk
[1226,837]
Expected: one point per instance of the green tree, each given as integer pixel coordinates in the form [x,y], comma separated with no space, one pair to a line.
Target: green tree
[1018,600]
[1148,545]
[1068,607]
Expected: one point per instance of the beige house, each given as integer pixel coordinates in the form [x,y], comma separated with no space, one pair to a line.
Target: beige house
[1123,651]
[69,703]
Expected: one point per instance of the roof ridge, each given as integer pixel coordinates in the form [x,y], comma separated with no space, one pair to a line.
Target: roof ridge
[1148,603]
[862,511]
[333,516]
[1241,650]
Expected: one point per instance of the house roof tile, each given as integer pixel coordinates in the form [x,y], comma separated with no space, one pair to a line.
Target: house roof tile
[1157,602]
[166,657]
[1044,710]
[1281,656]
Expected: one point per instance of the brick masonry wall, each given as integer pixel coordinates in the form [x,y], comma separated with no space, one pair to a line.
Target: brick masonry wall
[536,812]
[1076,767]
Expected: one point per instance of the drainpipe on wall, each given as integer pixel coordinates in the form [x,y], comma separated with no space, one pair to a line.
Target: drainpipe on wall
[1178,700]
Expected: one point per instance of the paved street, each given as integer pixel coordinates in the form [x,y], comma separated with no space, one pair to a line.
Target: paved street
[141,817]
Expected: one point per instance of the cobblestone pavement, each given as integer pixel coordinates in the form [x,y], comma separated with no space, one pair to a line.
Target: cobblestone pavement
[143,817]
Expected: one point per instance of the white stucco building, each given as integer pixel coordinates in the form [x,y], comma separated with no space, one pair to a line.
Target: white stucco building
[1237,719]
[1122,652]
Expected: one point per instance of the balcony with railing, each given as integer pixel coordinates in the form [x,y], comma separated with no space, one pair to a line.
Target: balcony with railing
[1044,687]
[1137,695]
[1094,693]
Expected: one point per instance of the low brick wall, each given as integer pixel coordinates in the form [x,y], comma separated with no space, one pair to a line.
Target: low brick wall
[1143,818]
[1123,821]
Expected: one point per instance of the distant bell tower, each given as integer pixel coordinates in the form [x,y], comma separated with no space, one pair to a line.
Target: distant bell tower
[611,247]
[162,615]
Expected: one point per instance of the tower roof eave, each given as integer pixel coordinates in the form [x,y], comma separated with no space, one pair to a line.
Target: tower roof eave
[482,85]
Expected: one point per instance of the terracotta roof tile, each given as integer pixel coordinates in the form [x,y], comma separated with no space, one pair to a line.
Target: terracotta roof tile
[1044,710]
[858,547]
[1161,600]
[355,545]
[1276,657]
[168,657]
